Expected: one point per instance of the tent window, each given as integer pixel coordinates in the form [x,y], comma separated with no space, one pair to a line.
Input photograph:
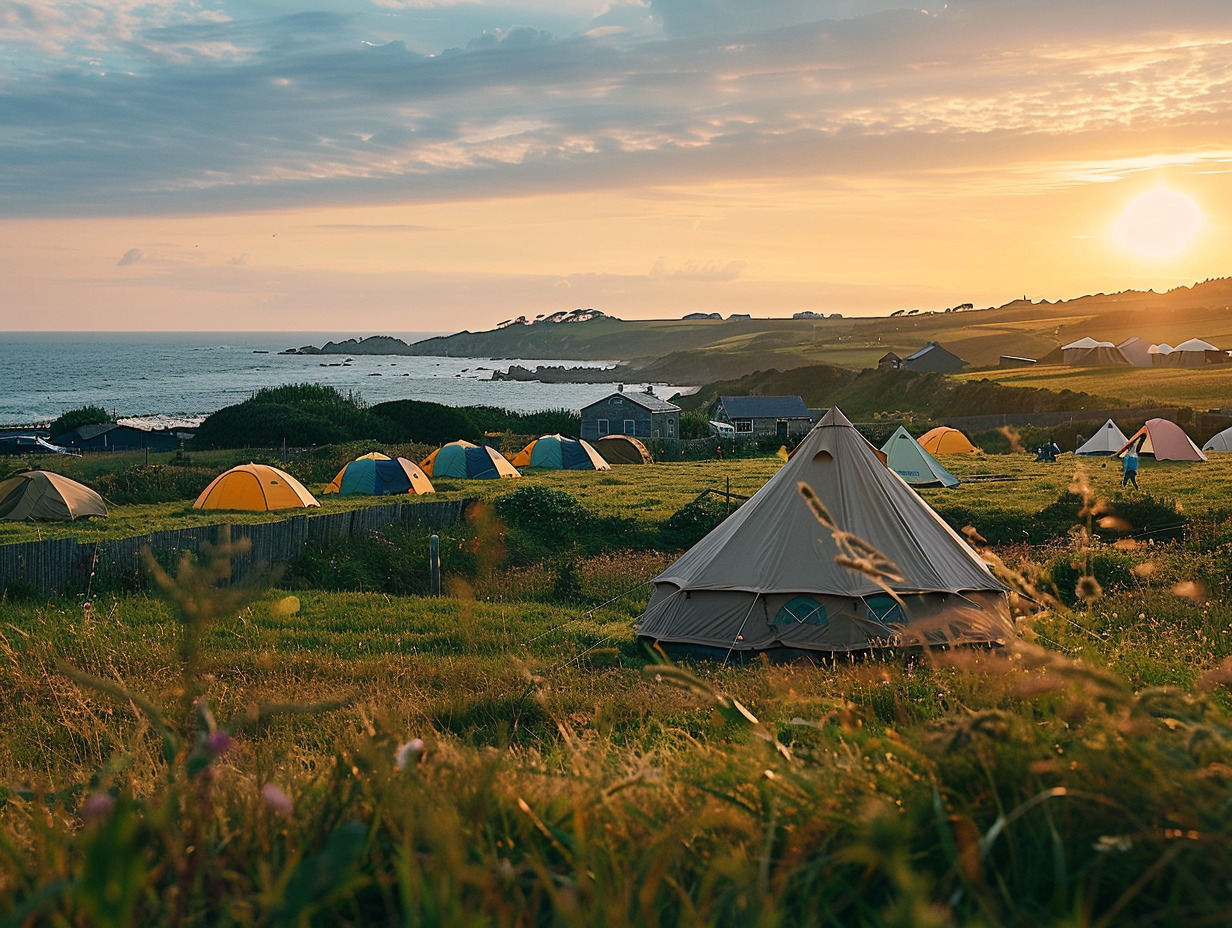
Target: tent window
[883,610]
[823,456]
[743,426]
[802,611]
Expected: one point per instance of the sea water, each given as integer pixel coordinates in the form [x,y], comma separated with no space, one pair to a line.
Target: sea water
[191,374]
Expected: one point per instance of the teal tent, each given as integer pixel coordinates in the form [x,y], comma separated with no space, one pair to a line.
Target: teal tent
[907,458]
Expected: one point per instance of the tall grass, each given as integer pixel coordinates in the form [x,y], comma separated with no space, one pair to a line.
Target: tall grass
[501,757]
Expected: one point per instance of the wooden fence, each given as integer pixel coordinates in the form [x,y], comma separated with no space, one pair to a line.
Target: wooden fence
[63,565]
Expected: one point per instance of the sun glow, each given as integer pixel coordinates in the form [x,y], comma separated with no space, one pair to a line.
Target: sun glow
[1158,224]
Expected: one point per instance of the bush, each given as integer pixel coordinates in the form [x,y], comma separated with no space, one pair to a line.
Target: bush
[75,418]
[689,524]
[297,414]
[543,513]
[547,422]
[429,423]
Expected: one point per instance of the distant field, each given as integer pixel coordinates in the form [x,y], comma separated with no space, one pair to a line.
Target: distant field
[1201,388]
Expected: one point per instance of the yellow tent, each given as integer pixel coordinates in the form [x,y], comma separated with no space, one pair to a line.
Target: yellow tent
[255,488]
[942,440]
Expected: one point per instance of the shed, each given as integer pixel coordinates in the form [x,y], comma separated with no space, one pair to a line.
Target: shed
[627,412]
[779,417]
[932,357]
[112,437]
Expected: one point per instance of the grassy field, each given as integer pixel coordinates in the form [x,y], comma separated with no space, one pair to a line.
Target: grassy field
[204,756]
[1197,388]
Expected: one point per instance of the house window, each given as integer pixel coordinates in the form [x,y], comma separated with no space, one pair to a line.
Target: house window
[630,427]
[601,426]
[743,426]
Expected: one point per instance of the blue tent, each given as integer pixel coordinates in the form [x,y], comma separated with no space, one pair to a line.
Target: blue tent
[379,475]
[560,453]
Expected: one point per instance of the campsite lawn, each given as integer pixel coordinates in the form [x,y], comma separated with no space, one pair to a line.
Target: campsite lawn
[653,493]
[1197,388]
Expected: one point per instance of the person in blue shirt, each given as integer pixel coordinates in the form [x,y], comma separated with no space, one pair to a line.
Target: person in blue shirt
[1129,467]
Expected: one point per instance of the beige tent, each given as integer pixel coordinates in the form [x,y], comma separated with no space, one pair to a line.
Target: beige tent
[766,579]
[40,494]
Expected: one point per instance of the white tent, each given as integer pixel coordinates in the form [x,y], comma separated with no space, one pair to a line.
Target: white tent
[1221,441]
[907,458]
[766,579]
[1196,353]
[1108,440]
[1074,350]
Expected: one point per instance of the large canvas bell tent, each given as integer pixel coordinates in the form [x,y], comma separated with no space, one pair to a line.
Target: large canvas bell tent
[909,460]
[1108,440]
[766,579]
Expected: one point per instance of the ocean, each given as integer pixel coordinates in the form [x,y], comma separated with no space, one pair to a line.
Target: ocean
[191,374]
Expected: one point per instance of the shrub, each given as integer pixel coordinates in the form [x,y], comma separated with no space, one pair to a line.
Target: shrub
[430,423]
[75,418]
[689,524]
[297,414]
[543,513]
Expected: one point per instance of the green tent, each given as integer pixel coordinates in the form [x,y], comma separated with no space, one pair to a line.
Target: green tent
[907,458]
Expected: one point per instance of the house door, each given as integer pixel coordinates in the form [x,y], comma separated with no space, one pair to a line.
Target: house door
[781,430]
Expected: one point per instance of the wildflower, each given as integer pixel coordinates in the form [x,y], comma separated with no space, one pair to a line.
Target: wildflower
[409,754]
[96,808]
[1108,843]
[218,743]
[278,801]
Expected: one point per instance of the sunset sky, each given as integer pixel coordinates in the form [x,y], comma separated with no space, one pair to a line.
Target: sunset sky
[412,165]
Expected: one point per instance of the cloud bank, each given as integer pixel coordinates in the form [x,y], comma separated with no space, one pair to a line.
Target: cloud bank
[130,107]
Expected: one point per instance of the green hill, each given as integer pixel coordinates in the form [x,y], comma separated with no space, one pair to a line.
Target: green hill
[927,395]
[695,350]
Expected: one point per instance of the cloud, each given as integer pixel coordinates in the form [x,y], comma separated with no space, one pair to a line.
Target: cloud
[147,108]
[132,256]
[715,271]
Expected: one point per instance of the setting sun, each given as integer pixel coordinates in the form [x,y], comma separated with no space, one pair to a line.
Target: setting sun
[1158,224]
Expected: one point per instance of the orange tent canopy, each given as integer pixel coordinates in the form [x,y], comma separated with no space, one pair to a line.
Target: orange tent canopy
[255,488]
[944,440]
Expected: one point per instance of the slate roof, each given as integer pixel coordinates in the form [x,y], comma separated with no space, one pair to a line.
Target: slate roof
[645,400]
[764,407]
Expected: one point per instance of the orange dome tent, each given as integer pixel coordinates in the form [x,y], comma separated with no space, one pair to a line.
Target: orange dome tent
[255,488]
[943,440]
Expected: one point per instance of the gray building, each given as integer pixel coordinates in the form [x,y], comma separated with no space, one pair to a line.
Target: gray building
[781,417]
[638,415]
[932,357]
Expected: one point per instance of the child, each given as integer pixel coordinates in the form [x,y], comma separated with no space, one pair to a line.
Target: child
[1129,469]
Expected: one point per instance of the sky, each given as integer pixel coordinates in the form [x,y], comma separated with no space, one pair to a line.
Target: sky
[438,165]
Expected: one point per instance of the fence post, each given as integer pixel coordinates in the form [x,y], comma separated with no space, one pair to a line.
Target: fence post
[434,565]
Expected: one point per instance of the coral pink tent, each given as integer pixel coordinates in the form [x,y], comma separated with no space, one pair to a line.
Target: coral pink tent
[1165,440]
